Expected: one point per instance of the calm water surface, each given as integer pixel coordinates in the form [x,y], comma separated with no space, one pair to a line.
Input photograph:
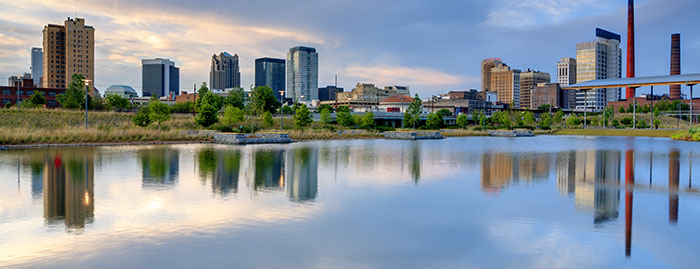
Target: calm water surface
[461,202]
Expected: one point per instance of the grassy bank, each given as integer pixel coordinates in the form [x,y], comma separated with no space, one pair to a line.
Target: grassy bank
[41,126]
[618,132]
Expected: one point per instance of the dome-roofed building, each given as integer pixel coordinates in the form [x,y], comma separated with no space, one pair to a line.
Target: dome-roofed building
[124,91]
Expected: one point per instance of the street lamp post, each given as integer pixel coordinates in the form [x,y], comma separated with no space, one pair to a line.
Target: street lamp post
[282,110]
[652,107]
[691,105]
[634,109]
[87,87]
[18,82]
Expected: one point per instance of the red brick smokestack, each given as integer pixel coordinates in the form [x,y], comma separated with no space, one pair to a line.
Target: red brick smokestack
[675,92]
[630,46]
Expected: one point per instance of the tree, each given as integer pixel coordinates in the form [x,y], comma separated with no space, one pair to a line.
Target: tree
[529,118]
[116,102]
[263,99]
[412,115]
[143,117]
[657,122]
[502,118]
[344,117]
[74,96]
[207,115]
[302,117]
[267,119]
[183,107]
[434,121]
[325,116]
[233,116]
[203,90]
[572,121]
[367,121]
[211,99]
[558,117]
[621,110]
[463,120]
[544,107]
[545,121]
[37,98]
[160,112]
[287,109]
[235,98]
[444,112]
[325,106]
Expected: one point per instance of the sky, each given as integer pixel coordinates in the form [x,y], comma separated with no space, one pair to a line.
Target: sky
[432,46]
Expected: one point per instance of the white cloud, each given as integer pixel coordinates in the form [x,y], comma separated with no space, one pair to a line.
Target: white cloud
[390,75]
[523,14]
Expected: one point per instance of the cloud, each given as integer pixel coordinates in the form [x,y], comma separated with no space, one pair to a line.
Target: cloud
[523,14]
[390,75]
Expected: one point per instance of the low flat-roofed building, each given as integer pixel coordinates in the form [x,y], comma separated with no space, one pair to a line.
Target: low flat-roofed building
[8,95]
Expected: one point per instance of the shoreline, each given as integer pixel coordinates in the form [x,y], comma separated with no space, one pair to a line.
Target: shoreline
[564,132]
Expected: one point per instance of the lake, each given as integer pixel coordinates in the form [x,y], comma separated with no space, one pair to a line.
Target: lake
[541,202]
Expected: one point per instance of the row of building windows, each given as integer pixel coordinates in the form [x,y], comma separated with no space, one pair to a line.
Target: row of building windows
[28,93]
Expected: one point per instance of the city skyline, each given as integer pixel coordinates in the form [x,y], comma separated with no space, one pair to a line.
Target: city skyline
[375,50]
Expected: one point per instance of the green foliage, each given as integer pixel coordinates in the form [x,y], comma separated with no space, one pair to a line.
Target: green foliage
[367,121]
[267,120]
[207,115]
[160,112]
[203,90]
[626,121]
[183,107]
[325,106]
[211,99]
[143,117]
[558,117]
[434,121]
[642,124]
[302,117]
[263,100]
[573,121]
[621,109]
[74,96]
[545,121]
[463,120]
[233,116]
[116,102]
[412,115]
[287,109]
[325,116]
[344,118]
[444,112]
[343,109]
[646,109]
[529,118]
[37,98]
[657,122]
[502,118]
[615,123]
[235,98]
[544,107]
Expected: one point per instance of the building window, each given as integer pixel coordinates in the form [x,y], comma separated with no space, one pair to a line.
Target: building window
[5,92]
[6,101]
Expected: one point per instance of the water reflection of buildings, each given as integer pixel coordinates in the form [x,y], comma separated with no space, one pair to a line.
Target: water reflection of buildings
[500,169]
[302,174]
[269,169]
[69,189]
[222,167]
[160,167]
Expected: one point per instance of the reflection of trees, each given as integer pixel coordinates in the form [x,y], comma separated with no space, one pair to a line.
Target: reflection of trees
[160,167]
[225,179]
[206,158]
[302,174]
[269,168]
[414,162]
[69,188]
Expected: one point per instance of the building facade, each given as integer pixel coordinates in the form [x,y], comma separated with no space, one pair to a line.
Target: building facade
[159,78]
[270,72]
[8,95]
[599,59]
[37,65]
[528,81]
[302,74]
[486,66]
[123,91]
[68,49]
[328,93]
[225,72]
[13,80]
[566,71]
[506,83]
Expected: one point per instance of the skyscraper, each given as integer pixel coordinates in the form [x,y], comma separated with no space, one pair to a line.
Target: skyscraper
[225,72]
[302,74]
[486,66]
[599,59]
[566,71]
[528,81]
[270,72]
[68,49]
[37,65]
[506,83]
[160,77]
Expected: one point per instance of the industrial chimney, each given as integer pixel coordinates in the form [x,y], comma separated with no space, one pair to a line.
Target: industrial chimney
[675,91]
[630,46]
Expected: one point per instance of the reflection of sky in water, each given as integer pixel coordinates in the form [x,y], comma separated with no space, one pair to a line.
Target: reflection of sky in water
[459,202]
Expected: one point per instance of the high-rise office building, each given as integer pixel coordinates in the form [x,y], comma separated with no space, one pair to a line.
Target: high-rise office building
[328,93]
[160,78]
[37,65]
[486,66]
[528,81]
[270,72]
[68,49]
[566,71]
[302,74]
[225,72]
[599,59]
[506,83]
